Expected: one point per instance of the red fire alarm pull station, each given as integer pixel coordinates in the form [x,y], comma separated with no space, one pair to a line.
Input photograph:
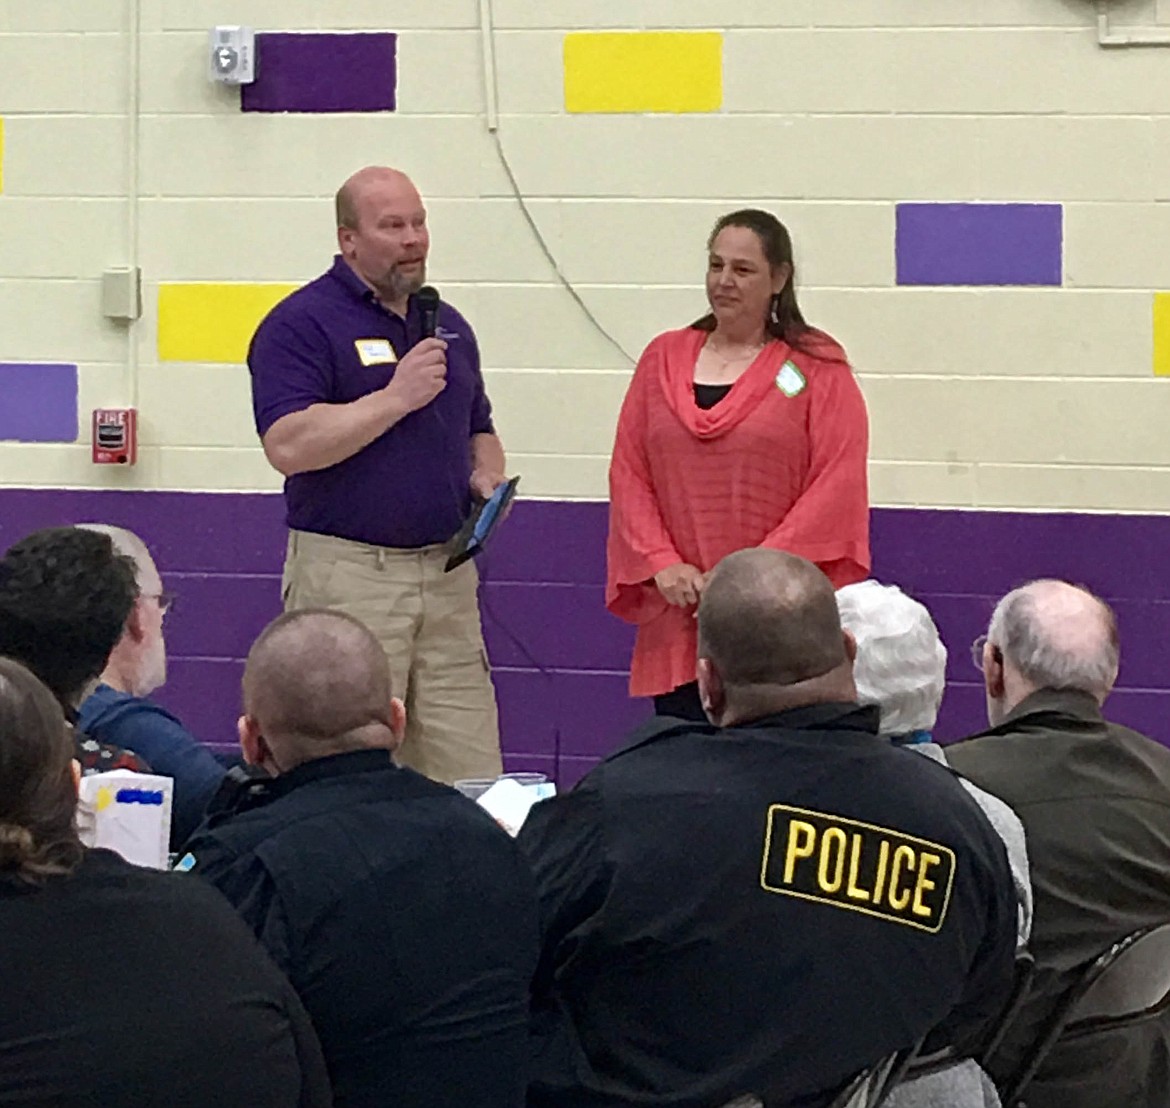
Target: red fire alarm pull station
[115,436]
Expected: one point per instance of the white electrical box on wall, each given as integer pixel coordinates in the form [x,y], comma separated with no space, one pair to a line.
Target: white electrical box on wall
[231,55]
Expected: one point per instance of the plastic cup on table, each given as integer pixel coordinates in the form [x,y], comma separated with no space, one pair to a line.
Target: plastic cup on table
[474,787]
[537,783]
[525,778]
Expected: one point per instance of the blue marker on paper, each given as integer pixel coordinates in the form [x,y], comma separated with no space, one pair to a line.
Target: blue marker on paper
[139,796]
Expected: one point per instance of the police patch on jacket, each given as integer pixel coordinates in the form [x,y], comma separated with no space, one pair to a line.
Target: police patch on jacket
[859,866]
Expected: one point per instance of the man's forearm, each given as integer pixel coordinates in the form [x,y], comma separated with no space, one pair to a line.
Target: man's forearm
[487,454]
[325,434]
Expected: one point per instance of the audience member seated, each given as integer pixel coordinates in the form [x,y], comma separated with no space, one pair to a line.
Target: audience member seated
[901,667]
[124,985]
[1094,798]
[768,904]
[118,711]
[65,596]
[403,915]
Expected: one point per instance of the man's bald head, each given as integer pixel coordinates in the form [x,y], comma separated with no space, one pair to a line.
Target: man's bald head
[1057,636]
[770,631]
[382,234]
[317,682]
[369,184]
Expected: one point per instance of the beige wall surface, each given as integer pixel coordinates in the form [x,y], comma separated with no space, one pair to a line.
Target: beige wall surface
[832,113]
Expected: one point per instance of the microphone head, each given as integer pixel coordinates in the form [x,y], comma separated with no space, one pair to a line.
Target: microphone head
[428,302]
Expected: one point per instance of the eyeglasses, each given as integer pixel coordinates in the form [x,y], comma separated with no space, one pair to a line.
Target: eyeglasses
[164,599]
[977,652]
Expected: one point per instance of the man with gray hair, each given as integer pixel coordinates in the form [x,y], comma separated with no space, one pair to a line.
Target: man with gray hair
[118,711]
[1094,798]
[901,667]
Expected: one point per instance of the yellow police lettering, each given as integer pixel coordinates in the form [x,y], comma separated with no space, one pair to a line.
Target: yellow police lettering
[924,884]
[899,900]
[842,862]
[833,837]
[855,891]
[879,885]
[798,850]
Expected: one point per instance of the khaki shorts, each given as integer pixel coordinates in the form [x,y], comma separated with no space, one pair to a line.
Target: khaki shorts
[428,623]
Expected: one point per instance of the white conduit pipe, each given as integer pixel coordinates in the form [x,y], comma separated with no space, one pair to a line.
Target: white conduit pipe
[133,152]
[487,36]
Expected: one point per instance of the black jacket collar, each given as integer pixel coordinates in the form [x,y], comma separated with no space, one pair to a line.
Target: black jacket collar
[1080,706]
[831,716]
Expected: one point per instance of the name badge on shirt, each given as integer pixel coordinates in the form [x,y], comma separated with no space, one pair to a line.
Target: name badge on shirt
[375,351]
[845,863]
[790,381]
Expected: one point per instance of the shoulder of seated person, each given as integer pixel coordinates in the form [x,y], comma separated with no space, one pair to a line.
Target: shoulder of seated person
[115,702]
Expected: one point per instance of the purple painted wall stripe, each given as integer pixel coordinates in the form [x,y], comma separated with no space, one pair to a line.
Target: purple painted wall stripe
[38,402]
[560,659]
[979,244]
[323,73]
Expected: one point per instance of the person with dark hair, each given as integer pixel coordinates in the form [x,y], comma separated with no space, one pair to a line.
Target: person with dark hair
[402,914]
[745,429]
[124,985]
[65,596]
[1094,799]
[767,904]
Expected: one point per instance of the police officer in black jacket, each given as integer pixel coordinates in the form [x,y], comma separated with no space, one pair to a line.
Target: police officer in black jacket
[770,904]
[401,913]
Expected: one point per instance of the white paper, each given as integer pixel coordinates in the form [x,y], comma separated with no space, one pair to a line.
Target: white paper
[508,802]
[129,813]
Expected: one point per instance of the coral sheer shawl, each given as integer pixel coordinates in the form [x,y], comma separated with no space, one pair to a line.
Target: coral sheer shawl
[774,466]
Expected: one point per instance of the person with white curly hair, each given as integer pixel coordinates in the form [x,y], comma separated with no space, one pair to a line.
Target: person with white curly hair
[901,667]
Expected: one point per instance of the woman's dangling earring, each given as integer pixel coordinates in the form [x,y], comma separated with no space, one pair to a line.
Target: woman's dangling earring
[774,315]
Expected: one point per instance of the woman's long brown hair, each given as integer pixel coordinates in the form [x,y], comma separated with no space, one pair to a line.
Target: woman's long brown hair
[38,795]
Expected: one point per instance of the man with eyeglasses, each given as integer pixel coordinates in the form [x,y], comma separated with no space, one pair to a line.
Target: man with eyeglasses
[1094,798]
[119,712]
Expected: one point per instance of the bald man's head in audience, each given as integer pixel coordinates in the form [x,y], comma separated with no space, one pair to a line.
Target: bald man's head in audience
[770,638]
[317,683]
[1049,635]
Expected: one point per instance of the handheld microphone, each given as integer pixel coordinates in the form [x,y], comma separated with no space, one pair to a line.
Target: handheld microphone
[428,302]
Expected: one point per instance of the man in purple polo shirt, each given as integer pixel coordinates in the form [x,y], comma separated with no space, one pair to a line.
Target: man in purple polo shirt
[383,438]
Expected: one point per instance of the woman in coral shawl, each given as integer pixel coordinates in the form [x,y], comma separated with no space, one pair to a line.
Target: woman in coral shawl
[745,429]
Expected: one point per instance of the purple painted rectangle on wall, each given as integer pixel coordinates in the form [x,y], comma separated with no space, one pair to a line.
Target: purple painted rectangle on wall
[38,402]
[928,550]
[555,541]
[205,694]
[347,72]
[554,625]
[979,244]
[187,532]
[252,600]
[575,713]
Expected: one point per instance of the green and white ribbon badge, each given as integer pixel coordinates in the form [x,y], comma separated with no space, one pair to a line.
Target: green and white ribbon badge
[790,381]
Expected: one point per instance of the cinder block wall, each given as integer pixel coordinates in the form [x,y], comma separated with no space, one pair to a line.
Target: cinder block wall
[976,191]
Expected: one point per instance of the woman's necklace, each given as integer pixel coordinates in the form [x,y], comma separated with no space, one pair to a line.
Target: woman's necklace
[725,361]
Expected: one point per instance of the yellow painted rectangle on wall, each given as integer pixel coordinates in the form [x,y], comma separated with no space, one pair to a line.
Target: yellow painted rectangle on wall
[1162,334]
[200,322]
[1,155]
[644,71]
